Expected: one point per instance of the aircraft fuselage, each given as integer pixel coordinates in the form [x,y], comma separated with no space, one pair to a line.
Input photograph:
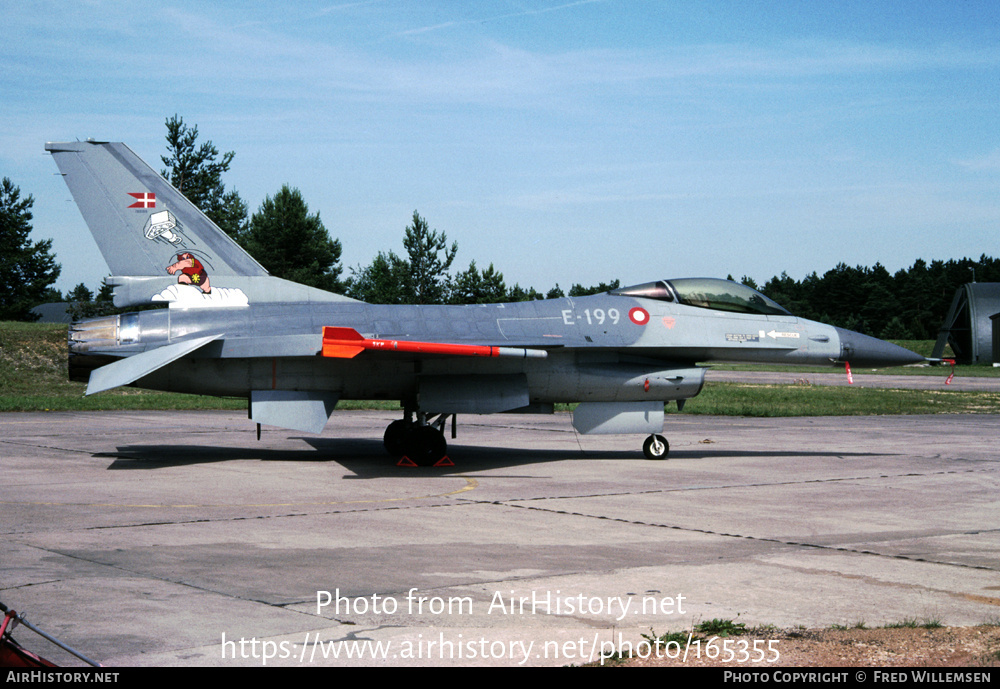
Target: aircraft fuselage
[599,348]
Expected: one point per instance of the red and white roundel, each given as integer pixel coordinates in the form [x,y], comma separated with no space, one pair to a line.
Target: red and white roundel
[639,315]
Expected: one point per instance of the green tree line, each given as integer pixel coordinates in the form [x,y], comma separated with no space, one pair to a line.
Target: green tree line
[908,305]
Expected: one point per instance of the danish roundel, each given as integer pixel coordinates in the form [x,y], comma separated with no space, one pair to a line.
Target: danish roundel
[639,315]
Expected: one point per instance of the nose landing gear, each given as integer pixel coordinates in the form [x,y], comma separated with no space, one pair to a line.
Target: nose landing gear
[656,447]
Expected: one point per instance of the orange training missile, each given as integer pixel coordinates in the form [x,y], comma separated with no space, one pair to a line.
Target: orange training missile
[346,343]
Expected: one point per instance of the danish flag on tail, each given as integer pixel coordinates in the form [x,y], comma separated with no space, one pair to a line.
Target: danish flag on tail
[145,199]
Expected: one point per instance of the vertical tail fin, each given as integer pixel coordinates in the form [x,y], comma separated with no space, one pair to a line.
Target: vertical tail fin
[140,222]
[159,246]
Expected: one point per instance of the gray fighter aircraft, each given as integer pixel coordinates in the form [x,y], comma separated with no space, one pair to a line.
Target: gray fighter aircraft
[292,351]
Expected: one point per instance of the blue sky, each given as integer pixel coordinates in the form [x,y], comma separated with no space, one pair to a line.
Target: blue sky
[563,141]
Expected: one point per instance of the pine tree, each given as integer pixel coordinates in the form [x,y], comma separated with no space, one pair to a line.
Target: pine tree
[420,278]
[478,287]
[292,244]
[578,290]
[380,282]
[27,269]
[196,171]
[426,278]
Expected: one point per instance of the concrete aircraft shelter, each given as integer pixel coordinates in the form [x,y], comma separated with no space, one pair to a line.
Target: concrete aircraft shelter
[967,327]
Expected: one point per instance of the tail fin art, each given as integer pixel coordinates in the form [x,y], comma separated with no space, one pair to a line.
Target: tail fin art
[158,245]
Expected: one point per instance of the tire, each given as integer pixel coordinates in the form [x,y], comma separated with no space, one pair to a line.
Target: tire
[656,447]
[425,445]
[395,438]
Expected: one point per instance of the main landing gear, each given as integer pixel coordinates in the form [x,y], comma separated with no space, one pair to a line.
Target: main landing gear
[421,440]
[656,447]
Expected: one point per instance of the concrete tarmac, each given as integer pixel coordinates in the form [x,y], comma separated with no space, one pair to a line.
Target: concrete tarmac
[177,538]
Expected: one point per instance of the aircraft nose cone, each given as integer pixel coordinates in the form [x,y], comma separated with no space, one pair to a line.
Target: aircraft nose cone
[862,350]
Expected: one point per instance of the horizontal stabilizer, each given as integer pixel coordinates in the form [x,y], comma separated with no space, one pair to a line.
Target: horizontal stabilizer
[346,343]
[133,368]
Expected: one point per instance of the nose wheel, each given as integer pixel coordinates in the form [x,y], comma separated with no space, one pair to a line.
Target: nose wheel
[656,447]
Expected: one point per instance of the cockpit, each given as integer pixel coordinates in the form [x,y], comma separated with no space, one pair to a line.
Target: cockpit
[706,293]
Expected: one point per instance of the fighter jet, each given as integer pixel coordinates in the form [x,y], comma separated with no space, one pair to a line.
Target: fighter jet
[230,329]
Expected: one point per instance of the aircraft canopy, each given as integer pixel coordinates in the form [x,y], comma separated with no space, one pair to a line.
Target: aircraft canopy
[706,293]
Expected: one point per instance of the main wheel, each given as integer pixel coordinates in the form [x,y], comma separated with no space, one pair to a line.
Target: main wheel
[656,447]
[395,437]
[425,445]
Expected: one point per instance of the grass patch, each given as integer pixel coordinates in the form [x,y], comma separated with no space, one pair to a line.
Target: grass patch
[921,347]
[32,356]
[679,638]
[914,623]
[963,371]
[924,347]
[741,399]
[701,631]
[719,627]
[118,400]
[34,377]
